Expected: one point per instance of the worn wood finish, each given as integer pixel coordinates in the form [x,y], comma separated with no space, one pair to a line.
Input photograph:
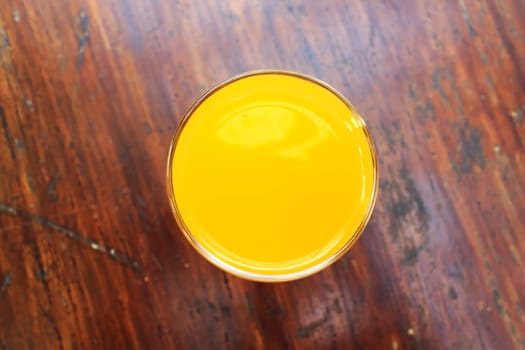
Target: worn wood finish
[92,91]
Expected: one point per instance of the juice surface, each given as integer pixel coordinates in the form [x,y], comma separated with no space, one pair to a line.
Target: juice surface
[272,174]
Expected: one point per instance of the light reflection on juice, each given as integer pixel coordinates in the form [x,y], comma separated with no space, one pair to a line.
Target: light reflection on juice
[272,176]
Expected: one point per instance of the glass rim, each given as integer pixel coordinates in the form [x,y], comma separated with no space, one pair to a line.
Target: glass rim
[275,277]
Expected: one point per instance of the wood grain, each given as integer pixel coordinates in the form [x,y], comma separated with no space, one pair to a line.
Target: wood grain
[92,91]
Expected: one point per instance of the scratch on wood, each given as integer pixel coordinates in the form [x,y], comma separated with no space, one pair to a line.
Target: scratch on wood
[227,284]
[86,241]
[455,272]
[466,17]
[438,75]
[29,104]
[30,182]
[404,199]
[62,59]
[230,15]
[517,115]
[19,146]
[389,137]
[41,275]
[6,282]
[47,316]
[497,301]
[519,311]
[336,306]
[412,92]
[76,88]
[15,197]
[82,36]
[312,59]
[51,187]
[156,261]
[249,304]
[371,33]
[3,124]
[484,58]
[274,308]
[426,112]
[444,74]
[16,16]
[452,293]
[309,329]
[296,8]
[469,149]
[435,40]
[140,200]
[492,90]
[5,51]
[411,254]
[504,313]
[306,331]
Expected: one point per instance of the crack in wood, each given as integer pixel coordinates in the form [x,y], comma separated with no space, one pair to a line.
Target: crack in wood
[86,241]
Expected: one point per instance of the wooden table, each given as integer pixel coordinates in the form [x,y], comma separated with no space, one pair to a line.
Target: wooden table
[91,93]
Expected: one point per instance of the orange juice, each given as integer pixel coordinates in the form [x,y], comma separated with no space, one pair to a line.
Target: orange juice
[272,175]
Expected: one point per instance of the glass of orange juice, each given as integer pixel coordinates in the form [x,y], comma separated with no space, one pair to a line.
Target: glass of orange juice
[272,175]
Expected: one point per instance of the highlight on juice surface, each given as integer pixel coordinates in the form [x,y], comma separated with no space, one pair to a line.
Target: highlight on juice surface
[272,175]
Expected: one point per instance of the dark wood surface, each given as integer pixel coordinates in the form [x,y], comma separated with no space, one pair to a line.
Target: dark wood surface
[91,92]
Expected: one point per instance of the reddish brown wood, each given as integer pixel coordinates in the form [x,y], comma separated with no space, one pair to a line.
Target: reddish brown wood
[92,91]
